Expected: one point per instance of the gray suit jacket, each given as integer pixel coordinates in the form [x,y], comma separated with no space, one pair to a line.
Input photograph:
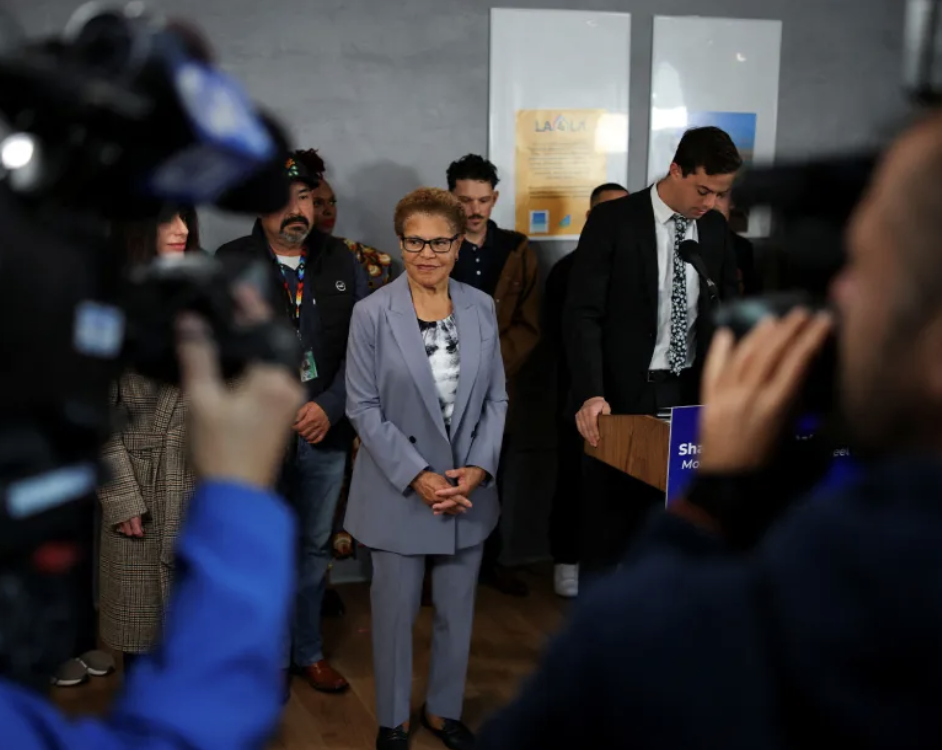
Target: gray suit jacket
[393,404]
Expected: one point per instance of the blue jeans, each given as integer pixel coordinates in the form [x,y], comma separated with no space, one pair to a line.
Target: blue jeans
[312,485]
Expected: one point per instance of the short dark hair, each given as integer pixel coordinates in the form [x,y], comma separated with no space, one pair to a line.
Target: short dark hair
[472,167]
[608,187]
[710,148]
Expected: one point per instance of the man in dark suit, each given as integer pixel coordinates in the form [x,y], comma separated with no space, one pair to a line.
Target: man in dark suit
[636,323]
[566,508]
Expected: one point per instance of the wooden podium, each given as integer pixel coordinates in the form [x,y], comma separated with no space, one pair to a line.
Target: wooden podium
[637,445]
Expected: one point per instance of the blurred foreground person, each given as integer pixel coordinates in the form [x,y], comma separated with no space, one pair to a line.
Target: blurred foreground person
[143,503]
[828,633]
[208,684]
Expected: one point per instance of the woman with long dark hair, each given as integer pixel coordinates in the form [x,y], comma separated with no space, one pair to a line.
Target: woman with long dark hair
[150,482]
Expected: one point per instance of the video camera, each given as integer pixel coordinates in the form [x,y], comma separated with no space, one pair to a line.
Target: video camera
[811,203]
[120,116]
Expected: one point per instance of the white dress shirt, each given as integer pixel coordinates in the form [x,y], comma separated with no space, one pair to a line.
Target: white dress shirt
[664,230]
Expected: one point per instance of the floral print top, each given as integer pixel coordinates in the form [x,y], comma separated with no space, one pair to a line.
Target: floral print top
[378,266]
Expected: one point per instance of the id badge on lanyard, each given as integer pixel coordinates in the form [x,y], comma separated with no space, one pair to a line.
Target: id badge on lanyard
[308,366]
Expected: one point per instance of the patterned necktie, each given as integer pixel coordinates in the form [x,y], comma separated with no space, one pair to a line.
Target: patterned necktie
[677,356]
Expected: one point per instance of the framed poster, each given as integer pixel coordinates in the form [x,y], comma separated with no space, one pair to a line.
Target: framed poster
[715,71]
[558,121]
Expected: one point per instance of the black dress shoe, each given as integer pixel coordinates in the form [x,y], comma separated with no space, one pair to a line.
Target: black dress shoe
[392,739]
[453,734]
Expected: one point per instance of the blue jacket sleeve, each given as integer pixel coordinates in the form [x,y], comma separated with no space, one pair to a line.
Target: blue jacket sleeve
[215,680]
[333,400]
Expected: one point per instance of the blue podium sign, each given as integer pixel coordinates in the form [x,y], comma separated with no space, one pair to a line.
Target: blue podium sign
[683,457]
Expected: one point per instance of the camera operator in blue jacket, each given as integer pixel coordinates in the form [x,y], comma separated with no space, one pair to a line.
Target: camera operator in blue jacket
[214,681]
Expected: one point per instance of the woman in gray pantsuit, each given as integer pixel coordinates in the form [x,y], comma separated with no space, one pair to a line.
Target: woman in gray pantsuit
[426,394]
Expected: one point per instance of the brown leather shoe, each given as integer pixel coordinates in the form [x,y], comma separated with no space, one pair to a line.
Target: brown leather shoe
[325,678]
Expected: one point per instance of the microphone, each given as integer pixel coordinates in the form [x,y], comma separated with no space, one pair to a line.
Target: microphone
[690,253]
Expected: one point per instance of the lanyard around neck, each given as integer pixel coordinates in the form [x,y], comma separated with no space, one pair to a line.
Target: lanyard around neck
[299,292]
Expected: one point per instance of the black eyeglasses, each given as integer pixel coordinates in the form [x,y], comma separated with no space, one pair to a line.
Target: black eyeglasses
[440,245]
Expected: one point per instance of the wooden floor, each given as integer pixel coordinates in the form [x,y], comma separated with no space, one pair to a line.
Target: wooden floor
[508,637]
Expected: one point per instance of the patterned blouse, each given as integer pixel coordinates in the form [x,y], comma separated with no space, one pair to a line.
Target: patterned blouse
[378,266]
[441,347]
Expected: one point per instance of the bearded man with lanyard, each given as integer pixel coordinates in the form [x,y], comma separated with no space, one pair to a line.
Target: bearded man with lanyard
[319,281]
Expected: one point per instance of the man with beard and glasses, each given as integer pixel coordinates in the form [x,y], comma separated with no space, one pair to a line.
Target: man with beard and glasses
[318,281]
[501,263]
[827,631]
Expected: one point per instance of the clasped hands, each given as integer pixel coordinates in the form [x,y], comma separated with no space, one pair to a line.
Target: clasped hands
[445,498]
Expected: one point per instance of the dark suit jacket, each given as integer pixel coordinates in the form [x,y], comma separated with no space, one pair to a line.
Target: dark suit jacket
[610,321]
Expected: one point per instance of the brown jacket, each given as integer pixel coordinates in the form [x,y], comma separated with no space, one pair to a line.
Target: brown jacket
[150,478]
[517,298]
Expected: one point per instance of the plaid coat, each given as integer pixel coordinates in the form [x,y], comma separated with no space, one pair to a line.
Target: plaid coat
[151,479]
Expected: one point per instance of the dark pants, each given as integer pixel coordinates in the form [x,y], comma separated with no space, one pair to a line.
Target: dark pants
[616,505]
[494,545]
[565,515]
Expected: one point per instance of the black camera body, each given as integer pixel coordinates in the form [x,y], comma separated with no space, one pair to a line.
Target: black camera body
[118,117]
[196,282]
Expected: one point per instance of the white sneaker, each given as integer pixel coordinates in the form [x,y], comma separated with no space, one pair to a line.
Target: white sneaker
[566,580]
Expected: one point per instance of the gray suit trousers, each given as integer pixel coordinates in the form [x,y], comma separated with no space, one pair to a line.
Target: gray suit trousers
[395,598]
